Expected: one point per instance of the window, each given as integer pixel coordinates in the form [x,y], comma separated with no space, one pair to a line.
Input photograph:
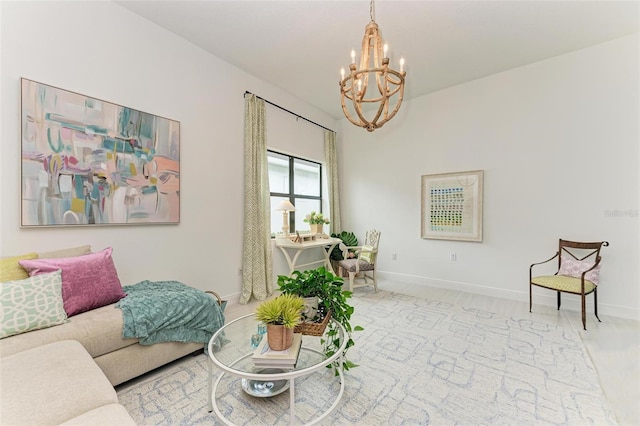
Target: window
[296,180]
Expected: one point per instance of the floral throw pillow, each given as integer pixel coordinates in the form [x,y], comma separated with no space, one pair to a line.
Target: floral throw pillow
[574,268]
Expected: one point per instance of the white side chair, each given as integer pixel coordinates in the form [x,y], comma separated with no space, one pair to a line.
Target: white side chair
[363,267]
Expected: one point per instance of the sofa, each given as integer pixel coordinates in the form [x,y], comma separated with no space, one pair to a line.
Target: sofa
[100,332]
[57,384]
[62,345]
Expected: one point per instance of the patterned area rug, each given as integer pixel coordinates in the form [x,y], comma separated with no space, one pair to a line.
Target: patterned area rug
[421,362]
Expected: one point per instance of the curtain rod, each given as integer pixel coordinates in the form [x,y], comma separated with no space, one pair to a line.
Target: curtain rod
[290,112]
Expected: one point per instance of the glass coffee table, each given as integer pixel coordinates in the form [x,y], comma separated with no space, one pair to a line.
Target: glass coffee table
[230,350]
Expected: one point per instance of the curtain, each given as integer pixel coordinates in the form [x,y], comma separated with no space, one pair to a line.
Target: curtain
[257,266]
[331,157]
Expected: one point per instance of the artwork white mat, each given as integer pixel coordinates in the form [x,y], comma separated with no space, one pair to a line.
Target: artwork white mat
[452,206]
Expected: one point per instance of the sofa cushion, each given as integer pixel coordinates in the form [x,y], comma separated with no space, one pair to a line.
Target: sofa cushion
[66,252]
[98,330]
[107,415]
[88,281]
[11,270]
[51,384]
[30,304]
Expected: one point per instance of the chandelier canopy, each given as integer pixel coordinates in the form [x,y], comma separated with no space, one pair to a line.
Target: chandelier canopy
[387,85]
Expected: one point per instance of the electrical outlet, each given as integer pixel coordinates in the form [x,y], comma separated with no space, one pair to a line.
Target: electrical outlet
[394,256]
[454,257]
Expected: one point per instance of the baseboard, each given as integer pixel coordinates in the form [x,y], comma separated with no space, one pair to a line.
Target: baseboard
[540,296]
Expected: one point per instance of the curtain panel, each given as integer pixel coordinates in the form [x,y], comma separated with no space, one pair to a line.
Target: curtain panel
[257,265]
[331,157]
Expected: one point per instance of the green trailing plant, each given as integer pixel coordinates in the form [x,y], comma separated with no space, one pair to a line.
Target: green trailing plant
[285,309]
[349,239]
[328,288]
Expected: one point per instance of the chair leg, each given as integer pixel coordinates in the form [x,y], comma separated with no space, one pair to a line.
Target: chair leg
[530,297]
[352,276]
[595,303]
[558,300]
[584,314]
[375,282]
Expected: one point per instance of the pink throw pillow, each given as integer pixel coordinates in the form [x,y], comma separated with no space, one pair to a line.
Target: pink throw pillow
[88,281]
[574,268]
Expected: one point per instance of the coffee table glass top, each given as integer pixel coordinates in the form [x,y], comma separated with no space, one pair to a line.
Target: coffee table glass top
[230,348]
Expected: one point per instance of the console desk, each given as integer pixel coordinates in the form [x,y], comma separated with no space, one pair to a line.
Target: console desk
[289,248]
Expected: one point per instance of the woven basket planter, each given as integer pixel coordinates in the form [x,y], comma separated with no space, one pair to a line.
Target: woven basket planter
[313,328]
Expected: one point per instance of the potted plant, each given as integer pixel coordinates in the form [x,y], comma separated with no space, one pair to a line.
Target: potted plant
[332,298]
[349,239]
[281,315]
[316,222]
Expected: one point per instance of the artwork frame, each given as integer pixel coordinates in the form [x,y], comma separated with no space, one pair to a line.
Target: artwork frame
[451,206]
[90,162]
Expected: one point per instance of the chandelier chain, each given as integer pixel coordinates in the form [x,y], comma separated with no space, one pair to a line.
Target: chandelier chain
[372,11]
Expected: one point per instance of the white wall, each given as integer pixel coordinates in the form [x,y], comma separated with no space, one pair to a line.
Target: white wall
[558,141]
[102,50]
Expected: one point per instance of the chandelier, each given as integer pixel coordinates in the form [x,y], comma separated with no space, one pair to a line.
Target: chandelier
[359,99]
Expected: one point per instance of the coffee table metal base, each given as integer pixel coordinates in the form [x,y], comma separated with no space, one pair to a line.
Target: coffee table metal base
[256,379]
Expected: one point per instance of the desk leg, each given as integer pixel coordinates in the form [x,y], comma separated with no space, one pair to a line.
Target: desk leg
[327,258]
[291,262]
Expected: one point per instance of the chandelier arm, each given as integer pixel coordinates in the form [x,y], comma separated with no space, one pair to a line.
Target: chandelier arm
[358,110]
[395,110]
[346,113]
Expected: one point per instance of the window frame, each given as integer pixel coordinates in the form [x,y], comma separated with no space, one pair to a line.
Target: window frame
[291,195]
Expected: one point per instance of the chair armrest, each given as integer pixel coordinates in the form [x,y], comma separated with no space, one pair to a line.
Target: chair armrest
[540,263]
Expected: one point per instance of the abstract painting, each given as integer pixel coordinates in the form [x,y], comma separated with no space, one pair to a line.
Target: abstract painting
[452,206]
[86,161]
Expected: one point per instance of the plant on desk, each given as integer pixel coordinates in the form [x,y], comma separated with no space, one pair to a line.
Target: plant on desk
[328,288]
[281,315]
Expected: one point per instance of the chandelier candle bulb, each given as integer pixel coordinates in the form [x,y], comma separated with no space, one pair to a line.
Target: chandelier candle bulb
[385,49]
[353,56]
[401,64]
[342,73]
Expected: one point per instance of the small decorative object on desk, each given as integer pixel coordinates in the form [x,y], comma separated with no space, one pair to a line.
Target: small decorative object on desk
[262,328]
[316,222]
[264,356]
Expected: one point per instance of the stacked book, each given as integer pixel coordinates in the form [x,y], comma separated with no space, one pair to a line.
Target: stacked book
[264,356]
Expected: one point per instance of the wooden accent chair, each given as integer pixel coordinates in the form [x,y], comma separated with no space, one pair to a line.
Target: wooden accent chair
[577,274]
[363,266]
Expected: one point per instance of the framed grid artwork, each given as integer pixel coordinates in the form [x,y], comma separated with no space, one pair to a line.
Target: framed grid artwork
[86,161]
[452,206]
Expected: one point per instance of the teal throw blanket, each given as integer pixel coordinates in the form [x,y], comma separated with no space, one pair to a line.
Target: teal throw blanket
[169,311]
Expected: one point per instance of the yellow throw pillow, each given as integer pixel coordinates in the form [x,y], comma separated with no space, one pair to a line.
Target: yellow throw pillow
[367,254]
[11,270]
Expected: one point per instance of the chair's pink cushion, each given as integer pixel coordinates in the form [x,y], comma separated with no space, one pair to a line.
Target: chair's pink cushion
[88,281]
[350,265]
[574,268]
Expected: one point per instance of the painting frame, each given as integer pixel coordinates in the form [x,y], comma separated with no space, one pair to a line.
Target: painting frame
[90,162]
[452,205]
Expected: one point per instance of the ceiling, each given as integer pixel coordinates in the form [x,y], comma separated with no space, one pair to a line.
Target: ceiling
[300,46]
